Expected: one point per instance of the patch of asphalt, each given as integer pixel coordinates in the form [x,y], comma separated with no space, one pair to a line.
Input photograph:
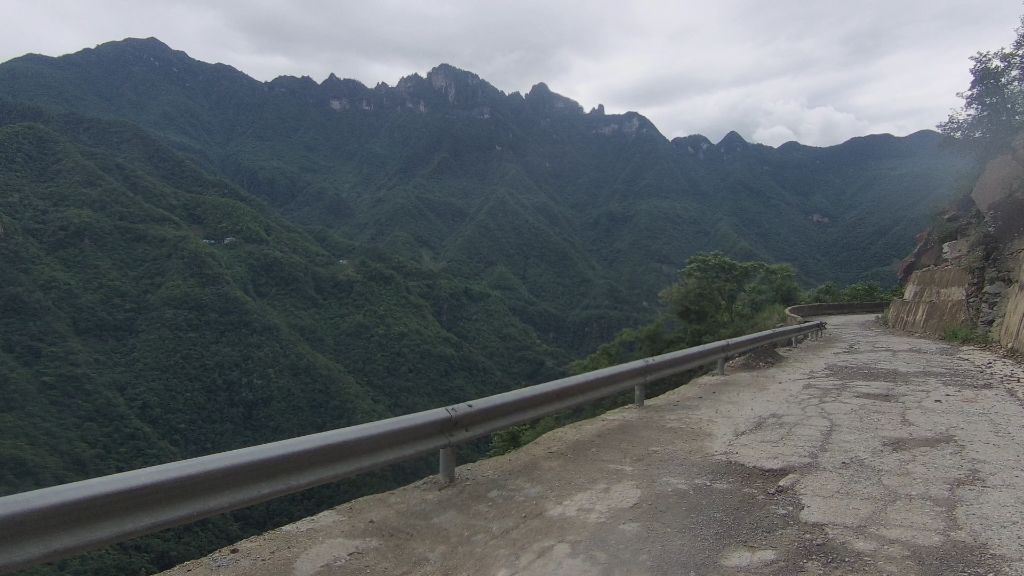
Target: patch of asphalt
[863,453]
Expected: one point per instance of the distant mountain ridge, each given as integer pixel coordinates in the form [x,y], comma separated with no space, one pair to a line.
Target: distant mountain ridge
[576,218]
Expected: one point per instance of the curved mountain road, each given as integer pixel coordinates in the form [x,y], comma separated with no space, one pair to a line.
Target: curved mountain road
[863,453]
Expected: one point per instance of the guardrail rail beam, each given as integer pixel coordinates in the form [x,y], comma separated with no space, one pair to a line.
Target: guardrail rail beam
[61,521]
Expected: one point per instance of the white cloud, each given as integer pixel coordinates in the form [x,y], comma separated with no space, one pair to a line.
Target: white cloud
[775,135]
[821,70]
[783,121]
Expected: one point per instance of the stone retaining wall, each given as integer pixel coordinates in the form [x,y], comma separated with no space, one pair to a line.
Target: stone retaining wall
[1008,329]
[933,300]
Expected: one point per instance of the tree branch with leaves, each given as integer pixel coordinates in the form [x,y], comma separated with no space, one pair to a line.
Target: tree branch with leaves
[993,113]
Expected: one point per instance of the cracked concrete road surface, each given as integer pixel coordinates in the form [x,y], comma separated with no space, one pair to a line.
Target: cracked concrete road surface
[863,453]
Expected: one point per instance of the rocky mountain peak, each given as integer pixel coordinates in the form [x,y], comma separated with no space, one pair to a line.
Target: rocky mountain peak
[733,140]
[146,49]
[407,83]
[732,143]
[150,45]
[460,87]
[696,145]
[444,75]
[547,103]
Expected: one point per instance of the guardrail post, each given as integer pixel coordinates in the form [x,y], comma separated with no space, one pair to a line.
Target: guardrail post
[639,394]
[794,341]
[721,366]
[447,473]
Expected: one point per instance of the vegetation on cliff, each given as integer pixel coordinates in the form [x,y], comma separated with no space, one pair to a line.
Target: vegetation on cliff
[870,291]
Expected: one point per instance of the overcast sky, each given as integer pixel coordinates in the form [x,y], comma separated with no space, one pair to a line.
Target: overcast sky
[816,71]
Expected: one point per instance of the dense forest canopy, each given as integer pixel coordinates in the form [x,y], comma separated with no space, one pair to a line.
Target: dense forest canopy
[150,312]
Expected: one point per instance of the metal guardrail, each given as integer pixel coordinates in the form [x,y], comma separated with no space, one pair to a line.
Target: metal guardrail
[61,521]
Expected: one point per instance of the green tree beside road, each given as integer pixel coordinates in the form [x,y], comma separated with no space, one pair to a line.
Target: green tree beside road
[993,113]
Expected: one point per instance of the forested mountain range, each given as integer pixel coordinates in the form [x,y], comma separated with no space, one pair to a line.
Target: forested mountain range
[577,219]
[193,261]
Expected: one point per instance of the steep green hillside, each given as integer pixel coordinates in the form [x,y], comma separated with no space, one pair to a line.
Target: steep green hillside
[578,219]
[150,312]
[832,211]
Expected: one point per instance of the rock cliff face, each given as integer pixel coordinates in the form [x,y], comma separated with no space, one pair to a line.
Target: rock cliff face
[968,269]
[933,299]
[999,194]
[1009,328]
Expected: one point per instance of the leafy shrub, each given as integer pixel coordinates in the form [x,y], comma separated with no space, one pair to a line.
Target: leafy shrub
[893,293]
[870,291]
[964,334]
[863,292]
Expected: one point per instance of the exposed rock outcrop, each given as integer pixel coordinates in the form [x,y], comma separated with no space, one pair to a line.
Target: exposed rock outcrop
[548,104]
[1008,327]
[968,269]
